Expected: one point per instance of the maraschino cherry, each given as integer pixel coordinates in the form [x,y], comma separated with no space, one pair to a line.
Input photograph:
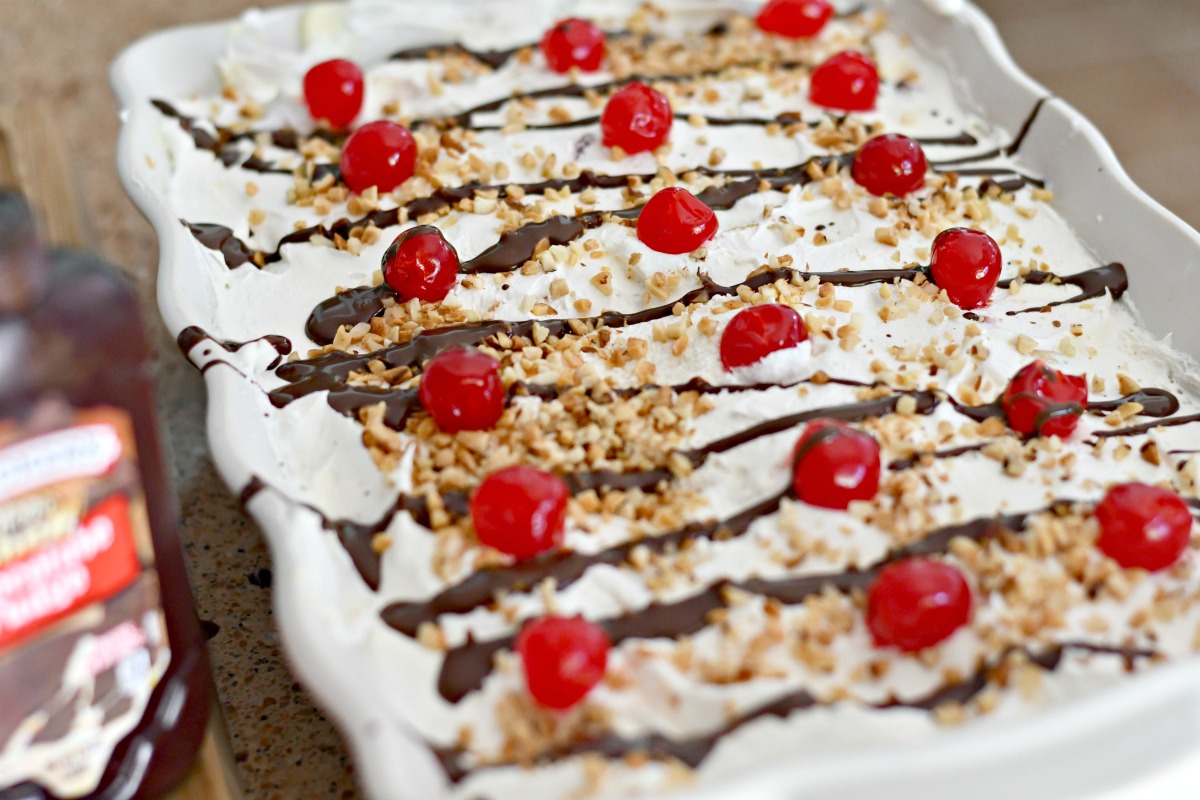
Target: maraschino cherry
[421,264]
[966,265]
[847,81]
[564,658]
[520,511]
[794,18]
[573,43]
[1143,527]
[636,119]
[382,154]
[674,221]
[1040,401]
[333,91]
[835,464]
[755,333]
[890,164]
[462,391]
[917,603]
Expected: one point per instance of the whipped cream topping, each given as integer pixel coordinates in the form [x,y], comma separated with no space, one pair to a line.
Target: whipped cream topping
[769,614]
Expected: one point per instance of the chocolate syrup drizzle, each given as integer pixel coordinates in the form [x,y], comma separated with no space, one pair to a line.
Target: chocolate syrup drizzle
[192,336]
[465,667]
[693,750]
[221,143]
[1137,430]
[1155,403]
[502,257]
[361,304]
[485,585]
[356,537]
[493,58]
[1093,283]
[1009,149]
[498,58]
[519,243]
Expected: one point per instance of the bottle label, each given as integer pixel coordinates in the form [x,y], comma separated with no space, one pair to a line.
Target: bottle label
[83,639]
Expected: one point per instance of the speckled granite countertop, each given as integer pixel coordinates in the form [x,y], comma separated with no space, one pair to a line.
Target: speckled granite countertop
[1120,65]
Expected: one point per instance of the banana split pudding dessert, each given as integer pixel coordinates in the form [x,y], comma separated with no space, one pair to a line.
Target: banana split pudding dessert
[672,390]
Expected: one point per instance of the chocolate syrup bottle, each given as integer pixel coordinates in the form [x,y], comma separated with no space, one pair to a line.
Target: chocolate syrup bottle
[104,683]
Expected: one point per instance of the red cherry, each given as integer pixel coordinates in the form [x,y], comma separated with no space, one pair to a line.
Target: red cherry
[333,91]
[381,154]
[847,81]
[520,511]
[564,657]
[916,603]
[1044,402]
[637,118]
[675,222]
[835,464]
[574,43]
[966,264]
[758,331]
[1143,527]
[461,390]
[421,264]
[794,18]
[890,164]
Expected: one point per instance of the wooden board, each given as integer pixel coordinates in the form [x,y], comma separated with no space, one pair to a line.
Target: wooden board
[33,160]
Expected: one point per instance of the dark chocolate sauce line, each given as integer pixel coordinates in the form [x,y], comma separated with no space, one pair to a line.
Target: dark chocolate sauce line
[465,667]
[361,304]
[252,489]
[1109,279]
[221,145]
[224,241]
[1019,181]
[519,245]
[1027,126]
[1154,402]
[693,750]
[189,338]
[493,58]
[1010,149]
[485,585]
[401,403]
[1137,430]
[785,118]
[497,58]
[464,119]
[355,538]
[521,242]
[482,587]
[900,464]
[329,370]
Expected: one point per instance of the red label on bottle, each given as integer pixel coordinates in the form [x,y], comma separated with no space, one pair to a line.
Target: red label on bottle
[83,642]
[95,562]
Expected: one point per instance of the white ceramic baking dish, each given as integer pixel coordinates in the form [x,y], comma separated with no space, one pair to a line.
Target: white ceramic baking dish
[1072,749]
